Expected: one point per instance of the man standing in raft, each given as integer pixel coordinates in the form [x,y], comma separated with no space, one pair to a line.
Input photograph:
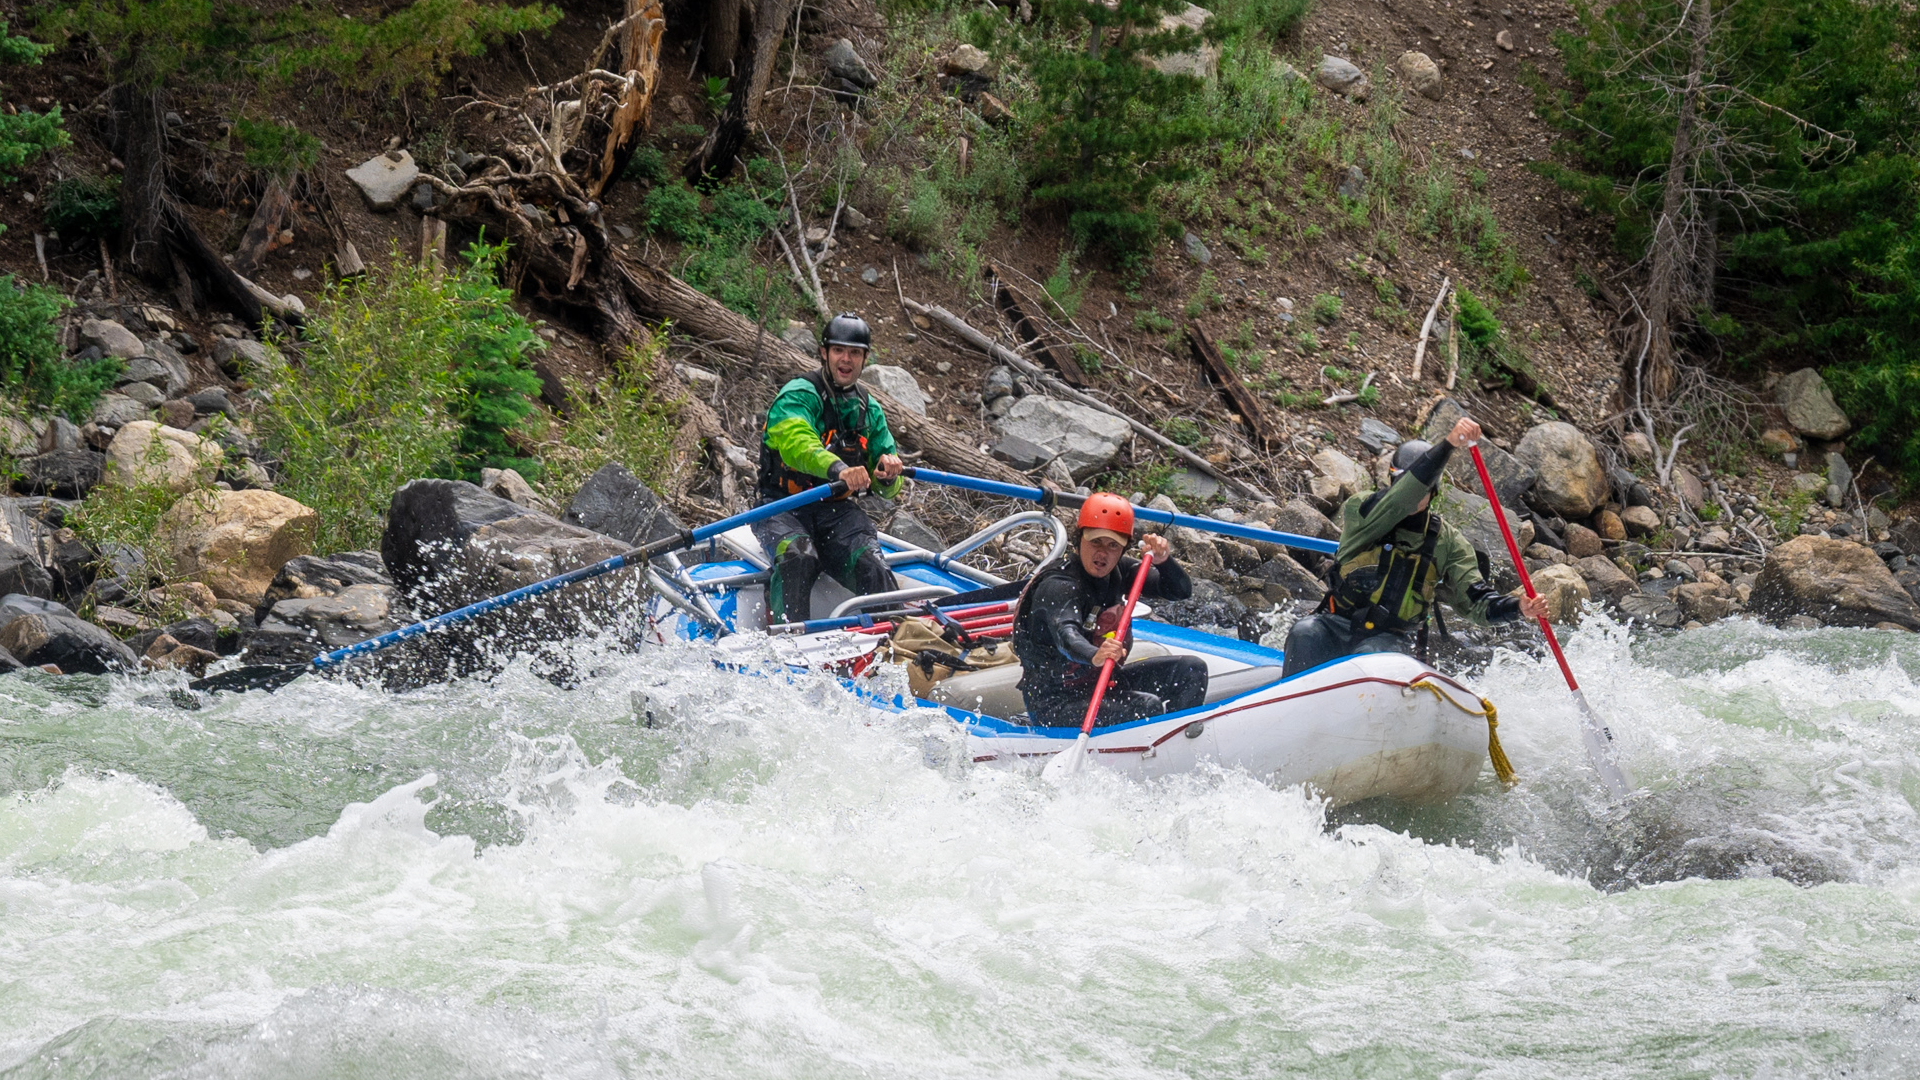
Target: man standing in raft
[1062,629]
[823,427]
[1396,558]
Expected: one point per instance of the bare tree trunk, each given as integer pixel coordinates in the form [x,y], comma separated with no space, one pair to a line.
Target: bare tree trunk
[1652,380]
[722,39]
[646,27]
[752,68]
[140,136]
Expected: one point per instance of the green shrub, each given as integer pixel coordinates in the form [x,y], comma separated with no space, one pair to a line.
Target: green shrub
[1326,309]
[279,150]
[25,135]
[616,420]
[648,163]
[492,367]
[364,406]
[129,516]
[673,209]
[84,206]
[32,368]
[1066,294]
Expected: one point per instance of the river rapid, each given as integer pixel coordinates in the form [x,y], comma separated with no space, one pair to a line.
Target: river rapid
[667,870]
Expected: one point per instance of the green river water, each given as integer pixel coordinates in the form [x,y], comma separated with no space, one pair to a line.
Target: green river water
[510,879]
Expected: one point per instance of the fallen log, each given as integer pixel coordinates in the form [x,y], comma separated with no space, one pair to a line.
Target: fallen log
[1027,326]
[1229,383]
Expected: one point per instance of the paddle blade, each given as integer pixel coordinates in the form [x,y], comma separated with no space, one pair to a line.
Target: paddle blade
[251,677]
[1598,739]
[1066,763]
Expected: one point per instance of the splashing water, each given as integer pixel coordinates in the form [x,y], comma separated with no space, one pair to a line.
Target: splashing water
[668,870]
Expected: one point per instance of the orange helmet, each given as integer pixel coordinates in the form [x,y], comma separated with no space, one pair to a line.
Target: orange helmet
[1108,512]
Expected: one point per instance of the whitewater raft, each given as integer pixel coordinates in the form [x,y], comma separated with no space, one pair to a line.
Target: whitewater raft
[1362,727]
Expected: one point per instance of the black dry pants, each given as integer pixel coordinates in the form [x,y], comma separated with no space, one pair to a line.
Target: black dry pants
[1321,637]
[836,536]
[1151,687]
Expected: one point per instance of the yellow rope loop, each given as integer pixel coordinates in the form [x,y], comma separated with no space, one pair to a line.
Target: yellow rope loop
[1502,768]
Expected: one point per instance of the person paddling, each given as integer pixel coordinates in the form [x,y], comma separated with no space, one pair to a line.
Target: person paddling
[823,427]
[1396,558]
[1062,626]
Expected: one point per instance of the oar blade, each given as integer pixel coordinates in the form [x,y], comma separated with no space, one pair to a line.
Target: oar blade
[1598,739]
[251,677]
[1064,765]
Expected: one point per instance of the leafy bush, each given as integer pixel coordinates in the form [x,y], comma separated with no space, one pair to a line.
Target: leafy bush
[492,367]
[1326,308]
[277,149]
[32,368]
[648,163]
[364,406]
[674,209]
[84,206]
[720,234]
[25,135]
[617,420]
[129,516]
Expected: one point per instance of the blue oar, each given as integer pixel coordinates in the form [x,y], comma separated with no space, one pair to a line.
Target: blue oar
[1162,517]
[271,676]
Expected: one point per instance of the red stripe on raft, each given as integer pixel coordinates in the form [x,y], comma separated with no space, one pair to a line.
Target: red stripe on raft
[1318,690]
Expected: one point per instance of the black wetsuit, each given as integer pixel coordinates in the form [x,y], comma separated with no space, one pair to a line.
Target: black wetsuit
[1055,638]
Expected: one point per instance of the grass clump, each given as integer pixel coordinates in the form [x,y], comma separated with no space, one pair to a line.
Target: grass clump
[84,207]
[26,135]
[619,419]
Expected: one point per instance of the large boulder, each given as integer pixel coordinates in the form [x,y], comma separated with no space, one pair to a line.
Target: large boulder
[1473,517]
[1300,517]
[1809,405]
[614,502]
[68,474]
[1510,478]
[68,642]
[113,410]
[1349,476]
[110,338]
[1084,439]
[1704,601]
[1570,480]
[897,383]
[145,453]
[1564,591]
[237,541]
[21,568]
[1300,583]
[160,366]
[299,629]
[1606,580]
[308,576]
[1834,581]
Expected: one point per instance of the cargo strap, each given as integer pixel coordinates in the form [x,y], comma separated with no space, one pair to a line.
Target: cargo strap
[1502,768]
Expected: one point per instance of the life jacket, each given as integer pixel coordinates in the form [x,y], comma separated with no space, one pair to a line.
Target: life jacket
[846,439]
[1388,588]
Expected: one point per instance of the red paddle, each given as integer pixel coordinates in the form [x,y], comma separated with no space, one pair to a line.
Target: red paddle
[1066,764]
[1593,731]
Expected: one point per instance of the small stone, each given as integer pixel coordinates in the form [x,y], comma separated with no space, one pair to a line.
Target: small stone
[1809,405]
[1809,483]
[897,383]
[800,336]
[1354,184]
[1608,525]
[844,63]
[147,394]
[854,218]
[301,273]
[968,60]
[1200,62]
[1197,249]
[942,367]
[1342,77]
[1504,39]
[870,275]
[177,413]
[1779,441]
[1639,520]
[1582,542]
[1637,446]
[1377,436]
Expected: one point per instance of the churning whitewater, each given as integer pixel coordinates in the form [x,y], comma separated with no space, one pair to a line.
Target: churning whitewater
[666,869]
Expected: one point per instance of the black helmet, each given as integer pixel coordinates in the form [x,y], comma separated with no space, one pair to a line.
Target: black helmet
[847,328]
[1409,452]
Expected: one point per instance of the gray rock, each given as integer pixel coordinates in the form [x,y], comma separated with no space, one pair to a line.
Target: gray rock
[1197,249]
[1192,484]
[853,217]
[1021,454]
[308,576]
[999,385]
[616,503]
[118,410]
[1906,533]
[147,394]
[897,383]
[1651,610]
[69,643]
[870,276]
[161,366]
[843,62]
[21,568]
[1342,77]
[215,400]
[353,614]
[1569,478]
[385,179]
[238,356]
[1299,516]
[998,408]
[1084,438]
[800,336]
[1511,479]
[1606,580]
[1300,583]
[69,474]
[907,527]
[1473,516]
[1056,472]
[8,663]
[17,437]
[511,486]
[1837,582]
[1839,480]
[1377,436]
[59,434]
[1809,405]
[1354,184]
[111,338]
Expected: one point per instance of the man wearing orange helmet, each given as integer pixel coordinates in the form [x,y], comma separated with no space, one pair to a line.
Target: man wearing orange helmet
[1063,627]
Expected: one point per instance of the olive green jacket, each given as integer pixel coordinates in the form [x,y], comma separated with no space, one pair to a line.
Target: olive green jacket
[1367,521]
